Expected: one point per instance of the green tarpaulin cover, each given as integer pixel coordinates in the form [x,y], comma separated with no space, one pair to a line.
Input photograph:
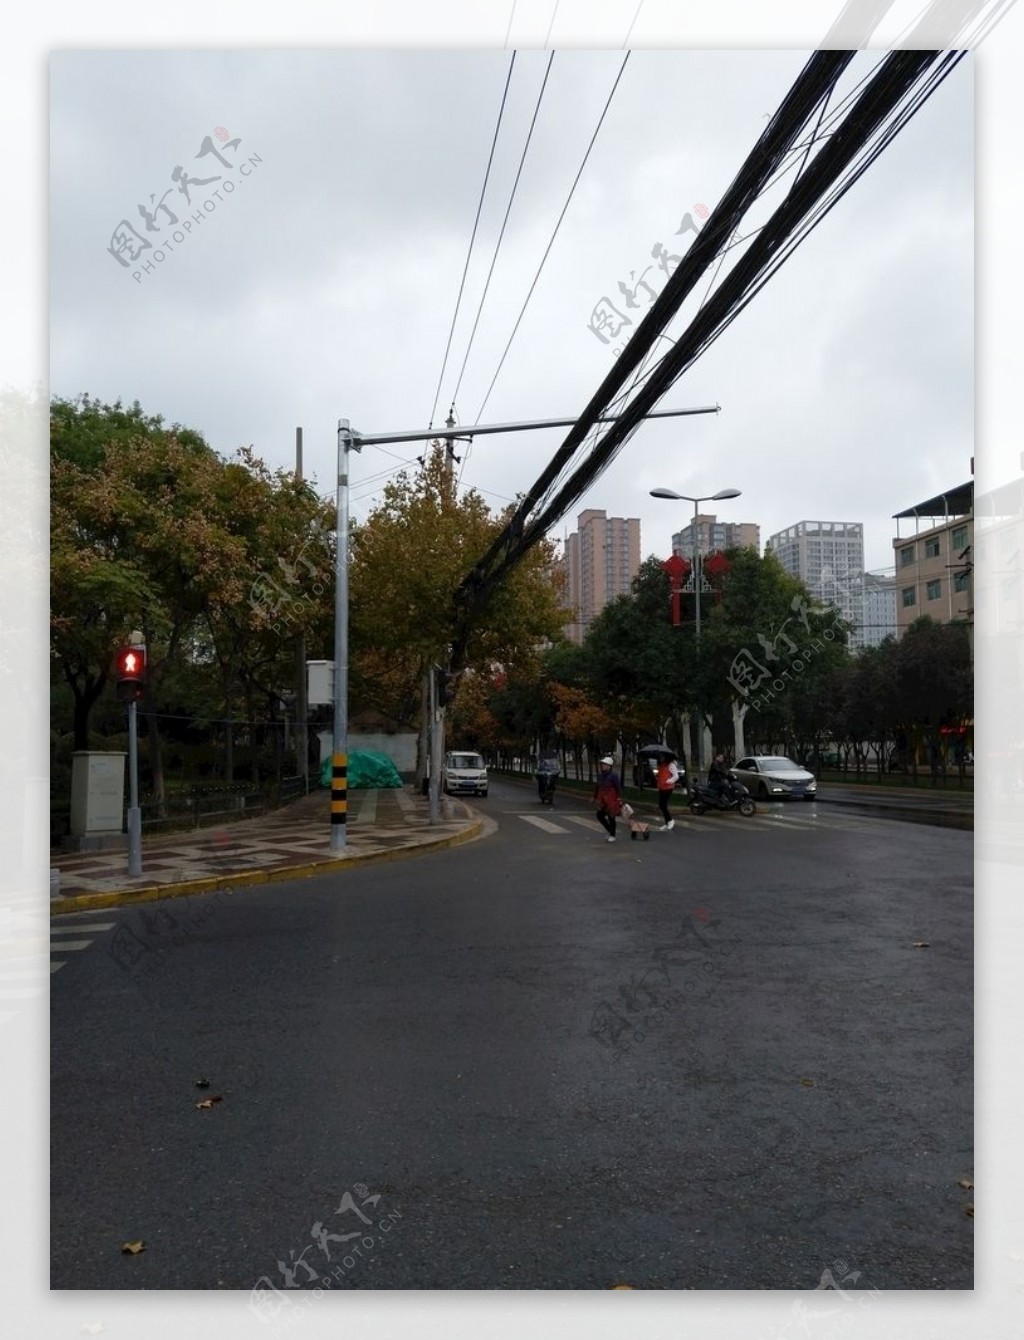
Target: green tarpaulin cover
[366,769]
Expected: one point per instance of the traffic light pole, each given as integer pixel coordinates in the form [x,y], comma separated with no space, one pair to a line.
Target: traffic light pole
[339,762]
[350,439]
[134,813]
[433,762]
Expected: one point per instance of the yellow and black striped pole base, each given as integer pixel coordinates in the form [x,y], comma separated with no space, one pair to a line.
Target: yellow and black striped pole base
[339,791]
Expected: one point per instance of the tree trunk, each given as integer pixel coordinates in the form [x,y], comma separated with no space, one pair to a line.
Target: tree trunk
[422,740]
[739,712]
[85,700]
[156,754]
[277,741]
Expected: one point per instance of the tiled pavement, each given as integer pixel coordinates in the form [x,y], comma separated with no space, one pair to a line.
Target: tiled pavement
[297,839]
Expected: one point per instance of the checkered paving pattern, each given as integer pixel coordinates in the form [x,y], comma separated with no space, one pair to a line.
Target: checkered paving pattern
[300,834]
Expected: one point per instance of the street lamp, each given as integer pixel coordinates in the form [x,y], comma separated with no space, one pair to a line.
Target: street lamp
[698,581]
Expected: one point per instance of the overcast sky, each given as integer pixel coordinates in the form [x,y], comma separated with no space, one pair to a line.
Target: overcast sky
[324,284]
[324,287]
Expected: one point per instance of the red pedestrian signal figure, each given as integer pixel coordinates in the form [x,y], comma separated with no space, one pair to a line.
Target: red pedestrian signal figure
[131,674]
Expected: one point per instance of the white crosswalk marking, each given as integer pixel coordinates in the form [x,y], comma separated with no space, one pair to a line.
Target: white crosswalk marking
[544,824]
[80,926]
[765,821]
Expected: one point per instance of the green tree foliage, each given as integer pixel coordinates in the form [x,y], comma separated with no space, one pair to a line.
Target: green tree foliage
[152,529]
[407,560]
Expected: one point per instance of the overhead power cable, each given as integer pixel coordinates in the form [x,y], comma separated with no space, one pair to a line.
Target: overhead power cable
[469,253]
[818,77]
[899,72]
[551,243]
[504,223]
[885,105]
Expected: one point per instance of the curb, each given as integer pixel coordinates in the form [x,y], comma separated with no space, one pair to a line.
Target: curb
[90,902]
[962,819]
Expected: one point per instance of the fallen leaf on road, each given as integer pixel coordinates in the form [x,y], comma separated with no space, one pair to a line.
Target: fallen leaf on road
[622,1286]
[922,944]
[133,1248]
[209,1102]
[202,1083]
[807,1083]
[966,1183]
[969,1210]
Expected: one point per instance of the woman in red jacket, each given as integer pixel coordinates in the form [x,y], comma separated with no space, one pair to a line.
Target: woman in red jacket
[608,796]
[668,775]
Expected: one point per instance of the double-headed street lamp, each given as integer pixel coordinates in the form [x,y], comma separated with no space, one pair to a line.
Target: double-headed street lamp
[698,582]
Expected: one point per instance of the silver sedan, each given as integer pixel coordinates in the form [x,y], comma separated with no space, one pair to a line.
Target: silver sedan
[773,776]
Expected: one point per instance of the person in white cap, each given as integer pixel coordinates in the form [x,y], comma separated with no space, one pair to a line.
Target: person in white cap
[608,795]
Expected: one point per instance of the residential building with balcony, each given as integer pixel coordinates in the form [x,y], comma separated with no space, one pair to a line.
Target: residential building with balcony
[935,563]
[714,534]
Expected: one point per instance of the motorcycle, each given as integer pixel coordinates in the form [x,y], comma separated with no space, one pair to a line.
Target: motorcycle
[546,778]
[736,797]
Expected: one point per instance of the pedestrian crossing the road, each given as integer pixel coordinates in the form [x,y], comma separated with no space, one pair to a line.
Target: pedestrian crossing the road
[757,825]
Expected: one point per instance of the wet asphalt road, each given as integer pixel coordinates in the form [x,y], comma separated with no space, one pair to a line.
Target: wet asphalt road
[713,1060]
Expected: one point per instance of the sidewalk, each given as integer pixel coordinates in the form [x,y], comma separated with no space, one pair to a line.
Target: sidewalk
[289,843]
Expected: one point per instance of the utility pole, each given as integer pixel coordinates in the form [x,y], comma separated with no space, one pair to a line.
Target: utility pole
[350,439]
[433,763]
[347,441]
[301,706]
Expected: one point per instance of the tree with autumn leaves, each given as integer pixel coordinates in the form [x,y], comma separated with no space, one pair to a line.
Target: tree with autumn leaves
[152,530]
[408,559]
[221,563]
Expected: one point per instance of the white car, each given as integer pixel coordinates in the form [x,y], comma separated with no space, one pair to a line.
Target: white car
[465,773]
[773,775]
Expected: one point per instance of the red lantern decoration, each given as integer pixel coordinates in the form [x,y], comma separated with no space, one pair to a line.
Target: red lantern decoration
[717,567]
[678,569]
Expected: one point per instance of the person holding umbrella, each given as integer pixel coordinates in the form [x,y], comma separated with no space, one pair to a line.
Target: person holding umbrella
[668,775]
[664,762]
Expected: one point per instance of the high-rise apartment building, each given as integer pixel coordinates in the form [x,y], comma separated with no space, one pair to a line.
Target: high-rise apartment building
[715,534]
[879,608]
[828,557]
[602,556]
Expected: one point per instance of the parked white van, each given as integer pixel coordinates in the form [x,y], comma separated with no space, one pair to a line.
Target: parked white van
[465,773]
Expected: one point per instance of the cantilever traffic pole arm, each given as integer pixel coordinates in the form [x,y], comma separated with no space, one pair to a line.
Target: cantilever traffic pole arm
[525,426]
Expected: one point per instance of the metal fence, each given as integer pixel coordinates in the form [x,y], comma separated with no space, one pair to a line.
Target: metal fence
[195,806]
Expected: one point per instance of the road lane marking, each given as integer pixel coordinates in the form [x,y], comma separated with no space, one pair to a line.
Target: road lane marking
[544,824]
[78,927]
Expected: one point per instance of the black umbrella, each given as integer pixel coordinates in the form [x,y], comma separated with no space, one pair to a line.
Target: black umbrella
[657,751]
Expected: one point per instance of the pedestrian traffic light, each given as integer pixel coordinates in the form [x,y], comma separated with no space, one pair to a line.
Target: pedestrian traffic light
[131,674]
